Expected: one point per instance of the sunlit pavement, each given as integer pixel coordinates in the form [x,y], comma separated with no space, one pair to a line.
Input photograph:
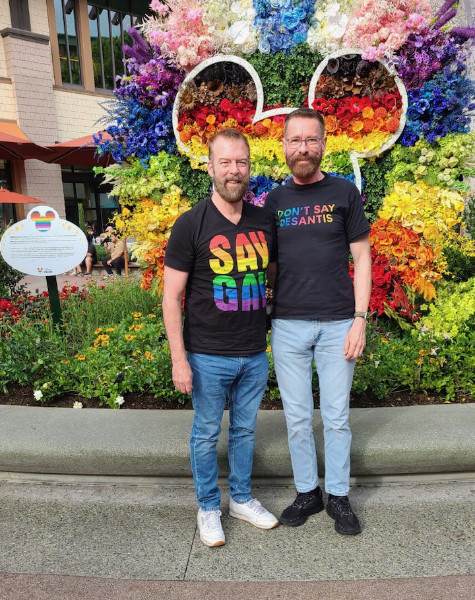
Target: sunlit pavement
[138,542]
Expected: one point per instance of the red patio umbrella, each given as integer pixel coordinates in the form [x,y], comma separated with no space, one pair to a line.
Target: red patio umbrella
[80,151]
[15,147]
[8,197]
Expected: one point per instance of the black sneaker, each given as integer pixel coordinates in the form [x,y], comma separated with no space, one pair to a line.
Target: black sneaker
[304,505]
[346,522]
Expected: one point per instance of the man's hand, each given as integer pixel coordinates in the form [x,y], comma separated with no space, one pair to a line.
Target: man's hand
[182,376]
[355,340]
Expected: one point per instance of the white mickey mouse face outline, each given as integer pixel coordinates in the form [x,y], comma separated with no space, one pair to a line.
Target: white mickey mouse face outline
[261,114]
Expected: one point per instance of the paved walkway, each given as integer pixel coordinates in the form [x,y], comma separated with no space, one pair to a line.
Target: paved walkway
[138,542]
[98,504]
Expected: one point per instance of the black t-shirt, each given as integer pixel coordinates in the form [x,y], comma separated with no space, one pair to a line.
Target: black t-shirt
[315,225]
[225,293]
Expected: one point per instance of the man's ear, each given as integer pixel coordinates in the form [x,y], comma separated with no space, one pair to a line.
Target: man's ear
[210,168]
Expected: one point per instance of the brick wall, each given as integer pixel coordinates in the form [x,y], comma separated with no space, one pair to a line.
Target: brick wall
[29,67]
[86,110]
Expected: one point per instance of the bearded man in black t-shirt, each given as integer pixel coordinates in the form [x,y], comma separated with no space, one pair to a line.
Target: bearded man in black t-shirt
[218,254]
[317,314]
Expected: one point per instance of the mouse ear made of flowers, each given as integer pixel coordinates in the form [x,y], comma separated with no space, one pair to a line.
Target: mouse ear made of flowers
[358,116]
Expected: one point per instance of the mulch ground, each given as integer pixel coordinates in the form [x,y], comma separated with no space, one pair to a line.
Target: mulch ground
[23,396]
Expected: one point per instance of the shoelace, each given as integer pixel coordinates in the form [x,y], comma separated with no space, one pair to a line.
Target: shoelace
[256,506]
[342,506]
[211,519]
[302,498]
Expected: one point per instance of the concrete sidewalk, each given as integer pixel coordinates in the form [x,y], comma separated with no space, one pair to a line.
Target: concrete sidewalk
[99,504]
[134,541]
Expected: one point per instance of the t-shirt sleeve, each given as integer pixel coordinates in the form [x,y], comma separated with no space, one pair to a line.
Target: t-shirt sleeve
[180,252]
[356,223]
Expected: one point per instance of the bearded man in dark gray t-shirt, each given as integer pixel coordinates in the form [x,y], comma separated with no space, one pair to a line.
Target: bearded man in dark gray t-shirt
[317,314]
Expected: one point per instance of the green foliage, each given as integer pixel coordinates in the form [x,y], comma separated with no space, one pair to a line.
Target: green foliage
[9,278]
[195,184]
[460,265]
[338,162]
[415,361]
[81,219]
[452,313]
[469,217]
[100,251]
[375,185]
[443,163]
[288,86]
[133,182]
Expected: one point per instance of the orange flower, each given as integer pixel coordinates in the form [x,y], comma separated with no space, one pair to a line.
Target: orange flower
[368,112]
[357,125]
[368,125]
[260,129]
[380,112]
[210,119]
[399,250]
[331,123]
[392,124]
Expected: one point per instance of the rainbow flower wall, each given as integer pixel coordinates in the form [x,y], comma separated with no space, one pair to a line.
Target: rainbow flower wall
[390,78]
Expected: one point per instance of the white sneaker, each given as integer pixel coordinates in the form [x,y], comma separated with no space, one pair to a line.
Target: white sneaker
[254,513]
[211,531]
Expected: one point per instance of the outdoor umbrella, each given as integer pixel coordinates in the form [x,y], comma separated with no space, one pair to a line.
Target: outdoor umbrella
[7,197]
[80,151]
[15,145]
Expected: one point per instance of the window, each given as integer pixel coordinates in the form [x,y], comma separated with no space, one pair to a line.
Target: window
[20,14]
[82,187]
[108,29]
[68,41]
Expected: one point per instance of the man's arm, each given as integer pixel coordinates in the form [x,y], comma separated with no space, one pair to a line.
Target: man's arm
[356,339]
[174,286]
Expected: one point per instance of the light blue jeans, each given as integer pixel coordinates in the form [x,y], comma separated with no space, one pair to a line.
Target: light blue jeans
[295,345]
[243,380]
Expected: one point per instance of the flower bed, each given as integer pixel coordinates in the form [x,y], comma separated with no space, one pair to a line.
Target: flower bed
[391,81]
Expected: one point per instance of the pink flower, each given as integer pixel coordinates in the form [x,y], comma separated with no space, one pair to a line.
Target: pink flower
[193,14]
[159,8]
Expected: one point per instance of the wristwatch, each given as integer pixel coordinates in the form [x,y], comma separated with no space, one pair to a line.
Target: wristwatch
[363,315]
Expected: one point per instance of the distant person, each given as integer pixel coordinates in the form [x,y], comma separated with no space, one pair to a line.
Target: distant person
[91,256]
[116,259]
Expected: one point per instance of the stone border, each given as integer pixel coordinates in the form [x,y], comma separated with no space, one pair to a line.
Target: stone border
[154,443]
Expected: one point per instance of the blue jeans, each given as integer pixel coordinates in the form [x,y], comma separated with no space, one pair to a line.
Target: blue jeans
[295,345]
[243,380]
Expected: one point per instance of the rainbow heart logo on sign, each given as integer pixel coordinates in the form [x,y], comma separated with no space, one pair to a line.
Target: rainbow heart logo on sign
[42,222]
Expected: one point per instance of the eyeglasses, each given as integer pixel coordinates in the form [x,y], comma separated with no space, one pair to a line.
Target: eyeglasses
[311,142]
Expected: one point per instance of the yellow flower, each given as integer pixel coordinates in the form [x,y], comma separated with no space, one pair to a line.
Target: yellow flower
[104,337]
[136,352]
[110,329]
[137,315]
[130,337]
[98,331]
[149,355]
[80,356]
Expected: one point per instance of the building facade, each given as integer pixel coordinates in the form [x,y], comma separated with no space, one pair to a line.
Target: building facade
[58,63]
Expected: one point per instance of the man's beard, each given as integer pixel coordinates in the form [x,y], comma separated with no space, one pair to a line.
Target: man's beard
[235,193]
[304,166]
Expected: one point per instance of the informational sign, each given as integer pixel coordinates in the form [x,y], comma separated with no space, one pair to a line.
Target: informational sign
[43,244]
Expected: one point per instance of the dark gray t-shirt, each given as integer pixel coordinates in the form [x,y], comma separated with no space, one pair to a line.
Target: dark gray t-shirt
[225,293]
[315,224]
